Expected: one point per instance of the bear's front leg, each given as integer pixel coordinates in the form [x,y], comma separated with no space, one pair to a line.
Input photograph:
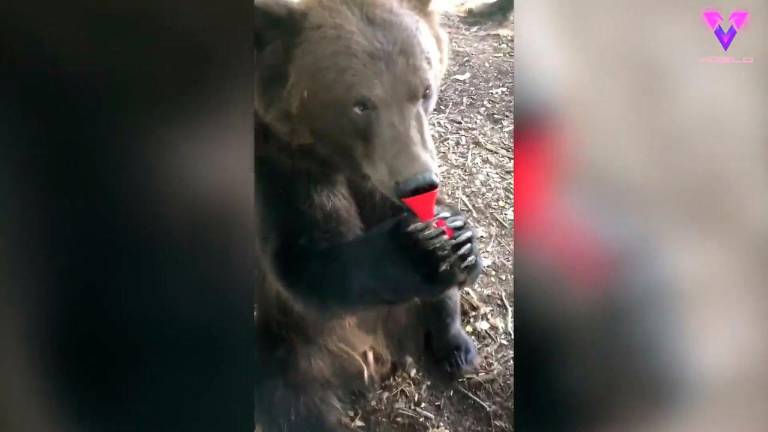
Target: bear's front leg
[452,349]
[395,262]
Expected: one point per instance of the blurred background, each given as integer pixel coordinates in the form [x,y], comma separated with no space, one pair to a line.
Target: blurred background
[126,203]
[641,217]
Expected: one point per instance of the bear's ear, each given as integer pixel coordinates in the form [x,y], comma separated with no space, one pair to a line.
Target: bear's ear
[276,21]
[421,6]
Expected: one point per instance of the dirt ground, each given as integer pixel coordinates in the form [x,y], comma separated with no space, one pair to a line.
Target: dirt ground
[473,127]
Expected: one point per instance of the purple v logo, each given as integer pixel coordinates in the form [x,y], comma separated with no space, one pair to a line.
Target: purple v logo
[714,20]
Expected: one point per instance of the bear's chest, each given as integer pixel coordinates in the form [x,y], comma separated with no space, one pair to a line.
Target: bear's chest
[331,214]
[311,209]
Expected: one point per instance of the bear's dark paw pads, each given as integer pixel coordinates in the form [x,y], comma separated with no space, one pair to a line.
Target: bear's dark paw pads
[454,352]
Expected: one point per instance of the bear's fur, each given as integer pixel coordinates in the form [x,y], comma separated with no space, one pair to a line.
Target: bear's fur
[342,93]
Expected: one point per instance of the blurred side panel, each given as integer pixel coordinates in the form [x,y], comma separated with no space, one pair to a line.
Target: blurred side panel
[126,195]
[641,223]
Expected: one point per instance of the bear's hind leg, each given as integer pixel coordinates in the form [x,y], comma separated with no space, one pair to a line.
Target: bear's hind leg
[451,348]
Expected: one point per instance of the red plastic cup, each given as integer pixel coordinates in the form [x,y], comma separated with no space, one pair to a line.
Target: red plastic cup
[423,206]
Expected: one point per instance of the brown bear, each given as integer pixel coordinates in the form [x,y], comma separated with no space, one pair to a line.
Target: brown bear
[348,279]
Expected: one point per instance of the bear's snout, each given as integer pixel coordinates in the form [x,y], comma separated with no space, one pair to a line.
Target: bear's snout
[418,184]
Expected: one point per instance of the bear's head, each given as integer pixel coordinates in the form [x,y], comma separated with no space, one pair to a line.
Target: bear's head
[352,83]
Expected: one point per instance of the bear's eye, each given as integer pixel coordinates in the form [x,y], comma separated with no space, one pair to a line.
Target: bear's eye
[427,93]
[363,106]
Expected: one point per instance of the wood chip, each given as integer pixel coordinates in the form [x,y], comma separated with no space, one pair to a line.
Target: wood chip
[462,77]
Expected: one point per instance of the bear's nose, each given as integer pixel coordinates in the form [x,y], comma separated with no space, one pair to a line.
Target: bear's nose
[418,184]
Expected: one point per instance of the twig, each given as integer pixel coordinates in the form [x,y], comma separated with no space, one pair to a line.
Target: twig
[474,398]
[465,201]
[426,414]
[400,389]
[491,335]
[408,412]
[469,158]
[506,247]
[483,404]
[487,377]
[495,149]
[509,314]
[500,220]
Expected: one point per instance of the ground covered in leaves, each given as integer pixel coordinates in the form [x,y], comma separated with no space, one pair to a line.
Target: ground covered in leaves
[472,126]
